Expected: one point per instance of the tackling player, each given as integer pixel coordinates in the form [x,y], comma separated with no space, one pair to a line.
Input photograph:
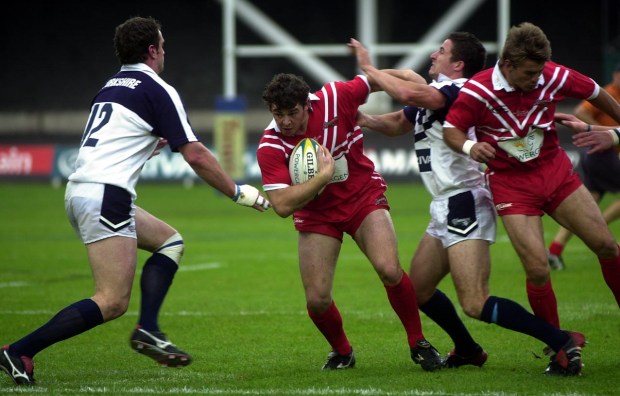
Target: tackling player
[462,222]
[129,117]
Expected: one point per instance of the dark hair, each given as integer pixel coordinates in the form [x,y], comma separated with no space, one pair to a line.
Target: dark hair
[286,91]
[133,38]
[526,41]
[467,48]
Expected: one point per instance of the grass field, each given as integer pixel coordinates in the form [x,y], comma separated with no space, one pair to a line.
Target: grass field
[237,305]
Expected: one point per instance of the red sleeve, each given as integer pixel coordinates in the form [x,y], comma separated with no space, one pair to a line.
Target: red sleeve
[579,86]
[273,163]
[462,114]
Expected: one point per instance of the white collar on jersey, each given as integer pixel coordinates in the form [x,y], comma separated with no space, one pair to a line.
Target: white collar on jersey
[500,82]
[443,77]
[138,67]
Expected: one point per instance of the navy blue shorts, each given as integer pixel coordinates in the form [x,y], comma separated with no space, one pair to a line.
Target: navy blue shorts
[601,172]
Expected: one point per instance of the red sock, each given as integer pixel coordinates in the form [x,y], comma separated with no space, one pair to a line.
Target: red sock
[556,248]
[543,302]
[403,300]
[611,274]
[329,324]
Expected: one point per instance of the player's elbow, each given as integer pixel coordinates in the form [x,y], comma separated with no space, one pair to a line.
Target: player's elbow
[197,155]
[282,209]
[280,205]
[281,202]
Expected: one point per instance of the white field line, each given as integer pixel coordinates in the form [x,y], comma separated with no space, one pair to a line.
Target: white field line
[13,284]
[585,312]
[199,267]
[182,268]
[86,390]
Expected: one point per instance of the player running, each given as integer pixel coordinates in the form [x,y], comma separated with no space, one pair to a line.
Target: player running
[352,203]
[129,117]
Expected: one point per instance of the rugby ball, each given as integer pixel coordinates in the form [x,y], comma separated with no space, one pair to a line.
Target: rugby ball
[303,163]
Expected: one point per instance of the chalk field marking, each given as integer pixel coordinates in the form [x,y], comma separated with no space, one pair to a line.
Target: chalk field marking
[200,267]
[13,284]
[249,392]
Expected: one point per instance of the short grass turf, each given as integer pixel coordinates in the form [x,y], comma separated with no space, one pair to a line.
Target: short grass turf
[238,307]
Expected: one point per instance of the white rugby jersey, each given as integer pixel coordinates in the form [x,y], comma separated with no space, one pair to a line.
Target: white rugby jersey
[127,117]
[443,171]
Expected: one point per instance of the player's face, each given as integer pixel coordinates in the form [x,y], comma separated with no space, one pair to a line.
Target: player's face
[160,54]
[524,76]
[291,121]
[441,61]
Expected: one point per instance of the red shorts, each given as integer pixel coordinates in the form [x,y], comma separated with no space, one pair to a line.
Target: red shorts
[536,192]
[369,202]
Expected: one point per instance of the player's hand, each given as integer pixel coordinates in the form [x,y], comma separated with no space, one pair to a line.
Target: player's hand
[327,164]
[361,53]
[571,122]
[597,141]
[482,152]
[247,195]
[161,143]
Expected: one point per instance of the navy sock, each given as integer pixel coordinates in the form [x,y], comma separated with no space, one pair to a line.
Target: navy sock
[157,276]
[71,321]
[441,310]
[510,315]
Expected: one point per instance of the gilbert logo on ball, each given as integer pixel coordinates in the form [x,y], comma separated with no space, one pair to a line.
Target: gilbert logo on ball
[303,163]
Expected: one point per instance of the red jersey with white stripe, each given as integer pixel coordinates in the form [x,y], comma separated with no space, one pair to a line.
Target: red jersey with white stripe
[519,125]
[332,123]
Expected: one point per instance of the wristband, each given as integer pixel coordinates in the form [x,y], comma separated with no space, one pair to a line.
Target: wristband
[237,193]
[467,146]
[615,135]
[588,128]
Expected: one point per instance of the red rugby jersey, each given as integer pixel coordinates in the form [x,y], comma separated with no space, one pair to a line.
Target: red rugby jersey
[519,125]
[332,122]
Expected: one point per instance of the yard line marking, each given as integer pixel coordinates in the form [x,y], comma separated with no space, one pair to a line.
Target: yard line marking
[236,391]
[28,312]
[585,312]
[199,267]
[13,284]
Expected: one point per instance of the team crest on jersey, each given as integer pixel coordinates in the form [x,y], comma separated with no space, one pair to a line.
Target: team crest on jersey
[330,123]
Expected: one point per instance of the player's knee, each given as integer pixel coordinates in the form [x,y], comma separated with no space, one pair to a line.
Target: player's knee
[318,303]
[390,274]
[538,274]
[173,248]
[113,308]
[424,292]
[607,249]
[472,308]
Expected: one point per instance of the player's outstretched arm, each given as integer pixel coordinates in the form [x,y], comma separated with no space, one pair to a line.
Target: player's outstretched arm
[596,138]
[389,124]
[204,163]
